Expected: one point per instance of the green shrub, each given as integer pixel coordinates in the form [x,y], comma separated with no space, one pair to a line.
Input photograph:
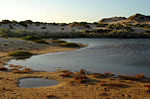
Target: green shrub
[31,38]
[102,25]
[81,24]
[40,41]
[28,21]
[101,30]
[5,33]
[6,22]
[5,44]
[58,41]
[63,24]
[35,39]
[11,42]
[20,53]
[24,24]
[69,45]
[43,27]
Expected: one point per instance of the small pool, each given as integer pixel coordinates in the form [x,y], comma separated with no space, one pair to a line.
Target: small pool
[36,82]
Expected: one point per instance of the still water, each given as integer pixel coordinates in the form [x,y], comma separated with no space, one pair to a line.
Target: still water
[119,56]
[36,82]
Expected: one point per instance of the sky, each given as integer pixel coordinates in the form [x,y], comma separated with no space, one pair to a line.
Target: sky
[65,11]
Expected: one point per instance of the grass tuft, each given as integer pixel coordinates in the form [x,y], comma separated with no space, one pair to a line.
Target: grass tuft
[35,39]
[22,71]
[137,77]
[98,75]
[58,41]
[68,74]
[20,53]
[80,78]
[114,84]
[69,45]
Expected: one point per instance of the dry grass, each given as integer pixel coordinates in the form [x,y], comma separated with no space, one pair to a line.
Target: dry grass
[29,69]
[82,71]
[80,78]
[113,84]
[67,74]
[64,71]
[17,66]
[137,77]
[148,86]
[22,71]
[14,69]
[109,74]
[140,76]
[98,75]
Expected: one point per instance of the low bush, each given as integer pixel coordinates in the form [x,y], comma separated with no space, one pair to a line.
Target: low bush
[109,74]
[5,33]
[5,44]
[6,22]
[20,53]
[140,76]
[82,71]
[40,41]
[24,24]
[16,66]
[64,71]
[43,28]
[67,74]
[114,84]
[102,25]
[14,69]
[21,71]
[35,39]
[137,77]
[69,45]
[98,75]
[58,41]
[80,78]
[31,38]
[148,86]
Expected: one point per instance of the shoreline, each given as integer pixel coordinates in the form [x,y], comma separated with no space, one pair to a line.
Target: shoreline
[69,87]
[4,58]
[74,85]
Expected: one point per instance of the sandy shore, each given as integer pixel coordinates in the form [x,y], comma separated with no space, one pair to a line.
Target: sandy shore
[14,44]
[68,87]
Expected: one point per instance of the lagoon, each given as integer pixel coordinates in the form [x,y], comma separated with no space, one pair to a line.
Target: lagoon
[119,56]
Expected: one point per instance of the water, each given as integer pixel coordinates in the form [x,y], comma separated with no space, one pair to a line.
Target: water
[119,56]
[36,82]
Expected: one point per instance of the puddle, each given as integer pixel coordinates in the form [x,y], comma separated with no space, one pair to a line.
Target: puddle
[36,82]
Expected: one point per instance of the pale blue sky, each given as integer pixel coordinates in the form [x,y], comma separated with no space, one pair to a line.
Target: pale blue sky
[70,10]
